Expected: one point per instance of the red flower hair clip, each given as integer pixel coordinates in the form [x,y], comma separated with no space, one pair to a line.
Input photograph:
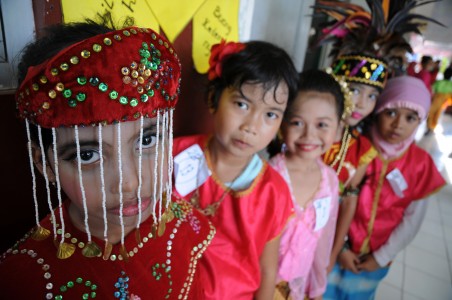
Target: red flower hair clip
[217,54]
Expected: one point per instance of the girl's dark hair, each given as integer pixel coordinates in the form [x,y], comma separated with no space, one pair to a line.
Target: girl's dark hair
[56,38]
[322,82]
[312,81]
[258,62]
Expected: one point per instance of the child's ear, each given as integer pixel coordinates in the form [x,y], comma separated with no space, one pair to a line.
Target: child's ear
[37,160]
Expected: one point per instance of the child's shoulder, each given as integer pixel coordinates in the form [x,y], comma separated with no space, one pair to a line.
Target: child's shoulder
[421,156]
[270,174]
[183,142]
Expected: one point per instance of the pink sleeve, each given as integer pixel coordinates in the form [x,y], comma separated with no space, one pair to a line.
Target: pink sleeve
[317,279]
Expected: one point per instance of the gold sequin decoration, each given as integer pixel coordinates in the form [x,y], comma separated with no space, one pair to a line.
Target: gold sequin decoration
[123,253]
[91,250]
[46,105]
[64,66]
[52,94]
[125,71]
[54,71]
[364,69]
[97,48]
[40,233]
[133,31]
[373,67]
[74,60]
[126,33]
[147,72]
[126,79]
[117,37]
[134,74]
[140,80]
[35,87]
[367,75]
[65,250]
[43,79]
[59,87]
[107,41]
[165,44]
[85,54]
[107,250]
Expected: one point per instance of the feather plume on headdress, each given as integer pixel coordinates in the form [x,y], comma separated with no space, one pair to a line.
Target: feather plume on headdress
[377,33]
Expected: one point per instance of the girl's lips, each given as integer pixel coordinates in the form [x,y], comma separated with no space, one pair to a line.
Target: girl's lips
[356,115]
[130,209]
[308,147]
[240,144]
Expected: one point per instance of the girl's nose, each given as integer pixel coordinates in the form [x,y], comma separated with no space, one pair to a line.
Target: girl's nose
[360,100]
[124,176]
[250,124]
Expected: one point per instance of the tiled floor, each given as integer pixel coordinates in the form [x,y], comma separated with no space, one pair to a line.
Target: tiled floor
[424,269]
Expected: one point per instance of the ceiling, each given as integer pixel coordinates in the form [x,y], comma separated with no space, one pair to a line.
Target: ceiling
[436,40]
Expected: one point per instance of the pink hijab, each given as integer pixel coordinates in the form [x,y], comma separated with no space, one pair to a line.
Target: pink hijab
[400,92]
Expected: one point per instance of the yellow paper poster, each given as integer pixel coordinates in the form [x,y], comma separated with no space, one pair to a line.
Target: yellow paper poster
[215,20]
[174,15]
[118,13]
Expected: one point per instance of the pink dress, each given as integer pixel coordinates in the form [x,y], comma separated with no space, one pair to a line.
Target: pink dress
[307,240]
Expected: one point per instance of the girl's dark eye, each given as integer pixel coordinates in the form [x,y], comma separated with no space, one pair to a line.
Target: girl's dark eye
[148,141]
[86,155]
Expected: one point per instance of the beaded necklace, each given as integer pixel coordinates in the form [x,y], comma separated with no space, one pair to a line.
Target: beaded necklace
[340,157]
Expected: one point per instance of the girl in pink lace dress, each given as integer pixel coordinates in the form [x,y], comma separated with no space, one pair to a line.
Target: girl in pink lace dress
[308,130]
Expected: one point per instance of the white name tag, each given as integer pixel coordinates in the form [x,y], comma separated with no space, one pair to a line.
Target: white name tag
[322,212]
[190,170]
[397,182]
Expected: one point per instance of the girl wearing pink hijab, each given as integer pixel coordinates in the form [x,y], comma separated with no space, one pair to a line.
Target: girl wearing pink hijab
[391,204]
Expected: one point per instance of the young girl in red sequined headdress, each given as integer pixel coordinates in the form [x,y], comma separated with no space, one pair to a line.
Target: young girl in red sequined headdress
[97,105]
[222,175]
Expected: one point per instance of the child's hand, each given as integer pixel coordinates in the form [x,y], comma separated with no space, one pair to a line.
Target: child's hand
[368,263]
[349,261]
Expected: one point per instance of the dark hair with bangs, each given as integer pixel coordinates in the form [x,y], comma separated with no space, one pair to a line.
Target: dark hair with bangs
[322,82]
[258,63]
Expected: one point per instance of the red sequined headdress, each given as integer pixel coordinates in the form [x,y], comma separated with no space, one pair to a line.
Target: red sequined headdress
[92,82]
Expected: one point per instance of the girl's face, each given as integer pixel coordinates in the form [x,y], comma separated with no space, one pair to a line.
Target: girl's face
[397,124]
[311,126]
[246,121]
[90,166]
[364,97]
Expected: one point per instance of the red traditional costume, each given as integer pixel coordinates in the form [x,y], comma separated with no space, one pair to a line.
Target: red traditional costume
[359,152]
[158,267]
[380,210]
[245,221]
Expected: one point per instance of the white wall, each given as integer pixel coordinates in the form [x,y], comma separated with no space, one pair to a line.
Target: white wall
[18,21]
[285,23]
